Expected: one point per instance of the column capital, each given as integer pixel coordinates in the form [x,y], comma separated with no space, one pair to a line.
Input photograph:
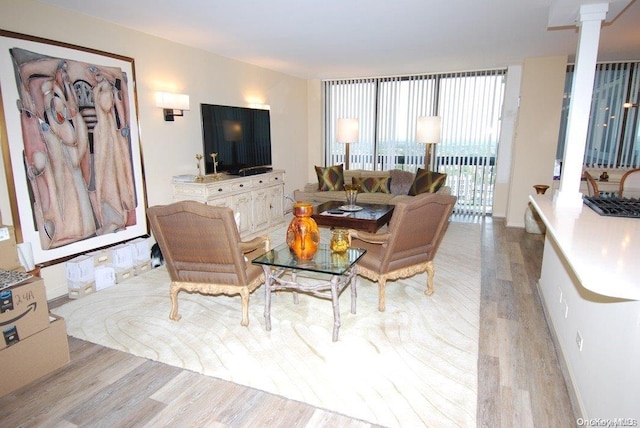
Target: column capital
[593,12]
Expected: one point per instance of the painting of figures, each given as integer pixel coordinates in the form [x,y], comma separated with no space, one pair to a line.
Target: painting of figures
[78,150]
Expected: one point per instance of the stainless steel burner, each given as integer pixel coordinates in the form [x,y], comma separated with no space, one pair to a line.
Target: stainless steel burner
[614,207]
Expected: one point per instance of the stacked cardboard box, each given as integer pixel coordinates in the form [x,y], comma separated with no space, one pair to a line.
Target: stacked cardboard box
[8,249]
[105,276]
[100,269]
[141,255]
[122,261]
[34,342]
[80,276]
[23,311]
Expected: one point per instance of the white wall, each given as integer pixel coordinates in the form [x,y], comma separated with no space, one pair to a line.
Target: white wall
[169,148]
[537,128]
[316,128]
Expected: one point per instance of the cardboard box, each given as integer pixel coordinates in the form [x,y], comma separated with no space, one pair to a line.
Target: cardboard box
[35,356]
[105,277]
[141,268]
[81,291]
[80,270]
[100,257]
[141,250]
[23,311]
[123,274]
[8,250]
[122,256]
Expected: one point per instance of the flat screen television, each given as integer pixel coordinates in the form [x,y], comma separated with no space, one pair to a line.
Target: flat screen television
[240,136]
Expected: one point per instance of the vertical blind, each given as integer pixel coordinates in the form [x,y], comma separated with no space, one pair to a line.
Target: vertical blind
[612,136]
[388,109]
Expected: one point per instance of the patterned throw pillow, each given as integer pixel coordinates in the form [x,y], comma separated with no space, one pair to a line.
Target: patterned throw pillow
[373,184]
[330,178]
[427,182]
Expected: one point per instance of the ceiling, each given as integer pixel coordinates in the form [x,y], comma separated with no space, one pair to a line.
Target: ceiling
[328,39]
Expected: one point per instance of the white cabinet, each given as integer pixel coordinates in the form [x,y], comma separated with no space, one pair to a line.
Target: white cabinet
[258,198]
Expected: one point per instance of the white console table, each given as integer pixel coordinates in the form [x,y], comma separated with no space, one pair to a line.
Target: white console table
[259,199]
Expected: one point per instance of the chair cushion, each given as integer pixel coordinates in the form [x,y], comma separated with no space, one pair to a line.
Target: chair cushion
[330,178]
[373,184]
[426,182]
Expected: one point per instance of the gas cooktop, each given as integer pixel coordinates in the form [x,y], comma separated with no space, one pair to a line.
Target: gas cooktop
[614,207]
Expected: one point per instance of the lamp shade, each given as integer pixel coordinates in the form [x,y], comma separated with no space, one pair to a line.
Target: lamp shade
[348,131]
[172,101]
[428,129]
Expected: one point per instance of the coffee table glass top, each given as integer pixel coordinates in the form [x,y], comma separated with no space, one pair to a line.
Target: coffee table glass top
[324,261]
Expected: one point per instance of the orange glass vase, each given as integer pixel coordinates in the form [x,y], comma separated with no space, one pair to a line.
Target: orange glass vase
[303,235]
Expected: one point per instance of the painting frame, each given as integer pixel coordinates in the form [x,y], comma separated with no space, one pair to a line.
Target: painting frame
[19,178]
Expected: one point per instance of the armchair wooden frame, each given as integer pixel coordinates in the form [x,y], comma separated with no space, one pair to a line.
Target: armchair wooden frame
[630,184]
[203,252]
[592,185]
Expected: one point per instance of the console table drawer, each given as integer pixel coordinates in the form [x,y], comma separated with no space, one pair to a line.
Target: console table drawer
[240,186]
[186,191]
[276,178]
[260,182]
[217,189]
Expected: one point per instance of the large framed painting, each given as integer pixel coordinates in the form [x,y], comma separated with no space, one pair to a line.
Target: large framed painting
[71,146]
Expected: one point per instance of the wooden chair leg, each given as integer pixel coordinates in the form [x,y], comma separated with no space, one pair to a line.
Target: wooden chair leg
[244,293]
[381,302]
[430,272]
[174,289]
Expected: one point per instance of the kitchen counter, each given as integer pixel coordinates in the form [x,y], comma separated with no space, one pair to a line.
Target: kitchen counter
[590,289]
[602,251]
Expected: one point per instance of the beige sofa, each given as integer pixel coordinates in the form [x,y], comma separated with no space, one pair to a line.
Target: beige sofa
[400,184]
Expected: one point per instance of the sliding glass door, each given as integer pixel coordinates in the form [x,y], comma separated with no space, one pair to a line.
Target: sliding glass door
[388,109]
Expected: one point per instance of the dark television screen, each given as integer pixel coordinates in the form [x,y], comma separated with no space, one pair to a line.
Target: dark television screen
[240,136]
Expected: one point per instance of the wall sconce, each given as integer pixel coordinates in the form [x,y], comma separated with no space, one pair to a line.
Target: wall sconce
[428,133]
[260,106]
[348,132]
[172,104]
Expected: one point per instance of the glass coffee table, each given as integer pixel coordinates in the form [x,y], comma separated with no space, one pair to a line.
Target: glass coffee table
[281,268]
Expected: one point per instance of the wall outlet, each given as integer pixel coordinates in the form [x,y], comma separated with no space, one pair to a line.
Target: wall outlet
[579,340]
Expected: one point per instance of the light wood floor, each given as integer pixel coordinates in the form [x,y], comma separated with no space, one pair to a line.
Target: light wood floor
[519,379]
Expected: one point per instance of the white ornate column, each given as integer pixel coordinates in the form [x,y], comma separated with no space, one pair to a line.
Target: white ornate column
[589,20]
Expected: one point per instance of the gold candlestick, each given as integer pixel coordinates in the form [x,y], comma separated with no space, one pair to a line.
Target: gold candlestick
[215,165]
[199,177]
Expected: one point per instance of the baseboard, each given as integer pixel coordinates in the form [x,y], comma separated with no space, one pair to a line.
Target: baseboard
[566,374]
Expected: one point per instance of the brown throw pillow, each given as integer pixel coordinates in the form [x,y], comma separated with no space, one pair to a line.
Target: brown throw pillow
[427,182]
[330,178]
[401,181]
[373,184]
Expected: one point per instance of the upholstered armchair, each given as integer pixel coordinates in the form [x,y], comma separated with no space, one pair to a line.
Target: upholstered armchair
[203,252]
[410,243]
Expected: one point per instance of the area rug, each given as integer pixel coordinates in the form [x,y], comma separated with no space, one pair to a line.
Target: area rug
[413,365]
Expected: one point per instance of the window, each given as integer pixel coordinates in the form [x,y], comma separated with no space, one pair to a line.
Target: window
[388,109]
[612,136]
